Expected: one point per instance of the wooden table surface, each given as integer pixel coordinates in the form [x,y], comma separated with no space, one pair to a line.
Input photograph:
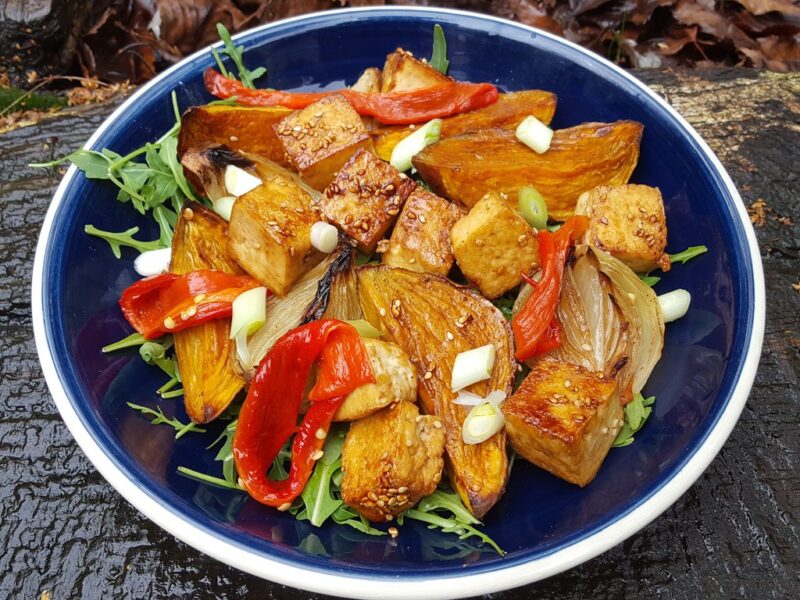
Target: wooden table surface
[735,534]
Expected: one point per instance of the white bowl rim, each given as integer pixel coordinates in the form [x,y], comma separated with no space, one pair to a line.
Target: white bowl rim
[422,588]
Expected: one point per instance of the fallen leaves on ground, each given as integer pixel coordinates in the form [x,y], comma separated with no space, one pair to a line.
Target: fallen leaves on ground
[134,39]
[758,212]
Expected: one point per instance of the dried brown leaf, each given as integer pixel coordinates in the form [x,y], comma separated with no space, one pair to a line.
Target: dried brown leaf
[789,8]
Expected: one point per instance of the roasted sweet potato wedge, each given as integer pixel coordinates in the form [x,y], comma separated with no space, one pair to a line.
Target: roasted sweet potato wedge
[243,128]
[205,352]
[464,168]
[506,113]
[433,320]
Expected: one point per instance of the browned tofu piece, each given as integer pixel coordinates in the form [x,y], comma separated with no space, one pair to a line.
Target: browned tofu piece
[628,222]
[564,418]
[369,82]
[365,198]
[396,381]
[494,246]
[421,237]
[319,139]
[402,73]
[391,460]
[270,232]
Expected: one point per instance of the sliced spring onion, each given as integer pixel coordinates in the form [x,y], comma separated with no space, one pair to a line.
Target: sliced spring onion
[365,328]
[532,207]
[482,422]
[249,312]
[466,398]
[324,237]
[153,262]
[674,304]
[414,144]
[534,134]
[238,181]
[223,206]
[472,366]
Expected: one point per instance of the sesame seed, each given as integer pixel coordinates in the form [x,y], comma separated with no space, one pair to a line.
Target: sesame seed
[402,490]
[393,532]
[450,336]
[521,239]
[389,517]
[317,455]
[297,128]
[604,430]
[475,487]
[422,219]
[169,323]
[567,383]
[285,506]
[233,138]
[188,214]
[604,221]
[437,424]
[382,311]
[428,375]
[320,434]
[199,298]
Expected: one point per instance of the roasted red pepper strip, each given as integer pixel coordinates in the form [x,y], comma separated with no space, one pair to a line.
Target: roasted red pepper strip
[534,330]
[269,415]
[391,108]
[167,303]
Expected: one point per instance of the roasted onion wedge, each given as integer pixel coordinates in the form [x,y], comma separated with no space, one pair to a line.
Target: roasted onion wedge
[465,168]
[327,290]
[205,352]
[434,320]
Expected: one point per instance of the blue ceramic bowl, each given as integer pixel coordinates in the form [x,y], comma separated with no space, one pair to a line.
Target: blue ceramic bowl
[544,524]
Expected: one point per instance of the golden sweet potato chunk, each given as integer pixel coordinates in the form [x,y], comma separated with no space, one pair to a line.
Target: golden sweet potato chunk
[628,222]
[396,381]
[319,139]
[433,320]
[421,237]
[365,198]
[465,168]
[205,352]
[270,232]
[494,246]
[506,113]
[403,73]
[564,418]
[242,128]
[391,460]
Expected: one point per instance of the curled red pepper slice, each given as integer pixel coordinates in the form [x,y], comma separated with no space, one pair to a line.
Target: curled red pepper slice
[391,108]
[536,328]
[168,302]
[269,415]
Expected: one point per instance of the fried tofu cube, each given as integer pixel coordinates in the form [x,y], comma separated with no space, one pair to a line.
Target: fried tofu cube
[391,460]
[396,381]
[319,139]
[628,222]
[365,198]
[564,418]
[269,233]
[369,82]
[421,237]
[402,73]
[494,246]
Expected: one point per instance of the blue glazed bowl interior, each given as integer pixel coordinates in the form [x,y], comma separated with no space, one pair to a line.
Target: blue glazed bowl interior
[539,513]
